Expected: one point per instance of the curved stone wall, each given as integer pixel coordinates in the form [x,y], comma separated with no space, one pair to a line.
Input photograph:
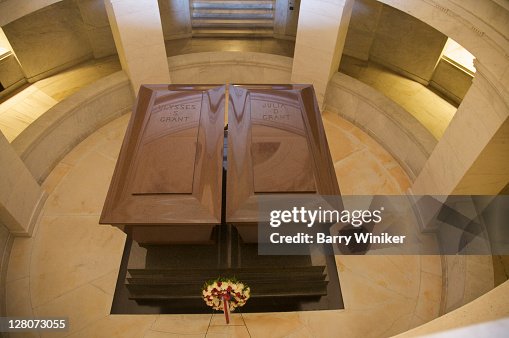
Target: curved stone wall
[15,9]
[392,126]
[475,25]
[230,67]
[61,128]
[479,26]
[489,307]
[466,277]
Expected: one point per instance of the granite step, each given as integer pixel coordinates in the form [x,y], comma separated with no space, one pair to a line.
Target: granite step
[158,280]
[232,33]
[232,13]
[232,18]
[215,4]
[258,290]
[232,23]
[257,271]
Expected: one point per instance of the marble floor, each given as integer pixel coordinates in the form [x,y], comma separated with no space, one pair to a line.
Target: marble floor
[430,109]
[27,104]
[70,265]
[260,45]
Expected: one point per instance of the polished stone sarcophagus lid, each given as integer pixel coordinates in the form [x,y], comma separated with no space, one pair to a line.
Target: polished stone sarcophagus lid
[276,145]
[168,182]
[169,171]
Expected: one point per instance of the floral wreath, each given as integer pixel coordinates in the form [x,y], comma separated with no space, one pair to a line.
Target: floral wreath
[220,291]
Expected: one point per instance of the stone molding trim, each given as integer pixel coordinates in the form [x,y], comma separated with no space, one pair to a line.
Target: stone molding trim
[391,125]
[49,138]
[493,29]
[227,58]
[492,83]
[230,67]
[36,213]
[5,254]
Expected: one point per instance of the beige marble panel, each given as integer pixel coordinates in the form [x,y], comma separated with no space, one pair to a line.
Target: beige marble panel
[489,173]
[57,174]
[94,305]
[362,28]
[21,197]
[428,304]
[341,143]
[56,269]
[224,331]
[218,319]
[97,27]
[158,334]
[432,111]
[451,80]
[480,33]
[19,259]
[18,299]
[138,35]
[175,18]
[259,45]
[82,150]
[275,324]
[60,41]
[230,67]
[18,112]
[15,9]
[108,282]
[491,306]
[407,44]
[76,197]
[66,83]
[478,277]
[182,324]
[431,264]
[373,179]
[52,135]
[369,288]
[319,44]
[400,133]
[12,74]
[473,129]
[286,19]
[119,326]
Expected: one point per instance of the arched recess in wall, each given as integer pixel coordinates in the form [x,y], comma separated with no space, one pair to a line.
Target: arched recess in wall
[482,33]
[15,9]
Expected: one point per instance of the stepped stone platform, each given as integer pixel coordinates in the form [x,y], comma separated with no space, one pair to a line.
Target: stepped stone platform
[232,18]
[169,278]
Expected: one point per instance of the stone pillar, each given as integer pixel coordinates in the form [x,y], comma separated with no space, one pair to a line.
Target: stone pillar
[21,197]
[321,34]
[136,27]
[472,157]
